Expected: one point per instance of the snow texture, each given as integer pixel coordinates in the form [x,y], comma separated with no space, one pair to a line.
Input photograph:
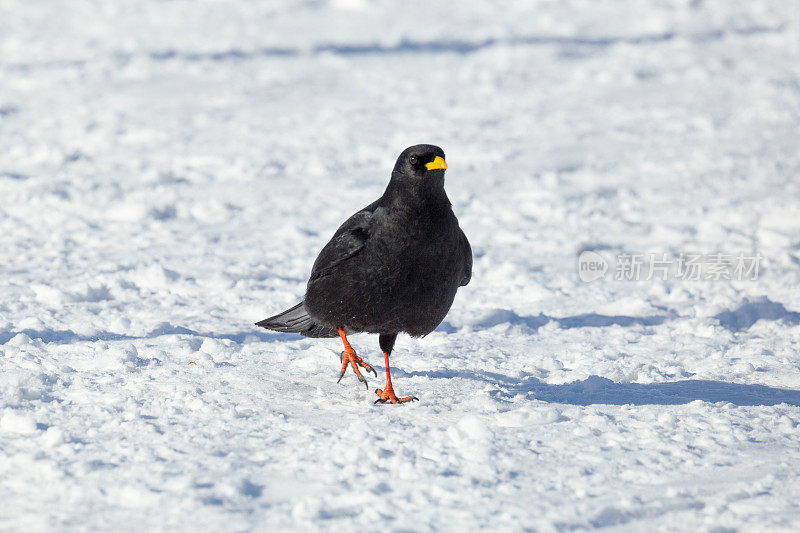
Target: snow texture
[169,170]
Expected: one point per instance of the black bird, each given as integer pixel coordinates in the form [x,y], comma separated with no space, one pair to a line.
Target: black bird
[394,266]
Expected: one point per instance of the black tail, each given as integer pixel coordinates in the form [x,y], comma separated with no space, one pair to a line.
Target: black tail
[297,320]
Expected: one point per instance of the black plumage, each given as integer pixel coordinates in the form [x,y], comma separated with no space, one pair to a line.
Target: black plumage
[393,267]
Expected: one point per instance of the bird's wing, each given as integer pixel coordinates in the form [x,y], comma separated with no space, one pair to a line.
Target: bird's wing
[467,251]
[347,242]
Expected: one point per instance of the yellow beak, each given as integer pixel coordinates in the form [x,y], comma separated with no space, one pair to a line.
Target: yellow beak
[436,163]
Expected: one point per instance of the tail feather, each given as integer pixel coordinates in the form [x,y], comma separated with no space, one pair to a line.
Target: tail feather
[297,320]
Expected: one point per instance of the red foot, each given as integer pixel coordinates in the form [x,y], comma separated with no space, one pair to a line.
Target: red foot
[349,357]
[387,395]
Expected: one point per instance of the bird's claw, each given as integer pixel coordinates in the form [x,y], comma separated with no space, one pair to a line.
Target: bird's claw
[388,395]
[350,358]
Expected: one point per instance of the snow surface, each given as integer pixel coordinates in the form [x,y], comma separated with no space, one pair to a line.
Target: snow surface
[169,170]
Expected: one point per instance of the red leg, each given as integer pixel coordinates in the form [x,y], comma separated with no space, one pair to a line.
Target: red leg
[387,393]
[349,357]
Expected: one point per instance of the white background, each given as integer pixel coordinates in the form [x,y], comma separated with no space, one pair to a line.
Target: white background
[169,170]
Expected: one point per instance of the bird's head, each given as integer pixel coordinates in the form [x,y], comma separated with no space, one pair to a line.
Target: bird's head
[422,162]
[418,175]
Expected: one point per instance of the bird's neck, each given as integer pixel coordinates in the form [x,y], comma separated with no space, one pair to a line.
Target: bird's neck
[427,197]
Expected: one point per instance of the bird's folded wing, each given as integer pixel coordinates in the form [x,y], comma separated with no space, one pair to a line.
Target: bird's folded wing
[347,242]
[467,251]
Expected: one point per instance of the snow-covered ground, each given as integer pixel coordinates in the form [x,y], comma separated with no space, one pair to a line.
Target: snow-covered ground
[169,170]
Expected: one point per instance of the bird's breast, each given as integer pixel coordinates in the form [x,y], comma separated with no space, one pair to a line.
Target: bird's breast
[404,279]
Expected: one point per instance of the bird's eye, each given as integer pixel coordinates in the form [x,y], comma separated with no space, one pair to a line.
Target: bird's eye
[413,160]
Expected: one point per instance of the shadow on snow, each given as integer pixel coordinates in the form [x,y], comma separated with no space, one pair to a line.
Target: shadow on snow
[736,320]
[750,312]
[593,390]
[587,320]
[600,390]
[452,46]
[570,44]
[66,336]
